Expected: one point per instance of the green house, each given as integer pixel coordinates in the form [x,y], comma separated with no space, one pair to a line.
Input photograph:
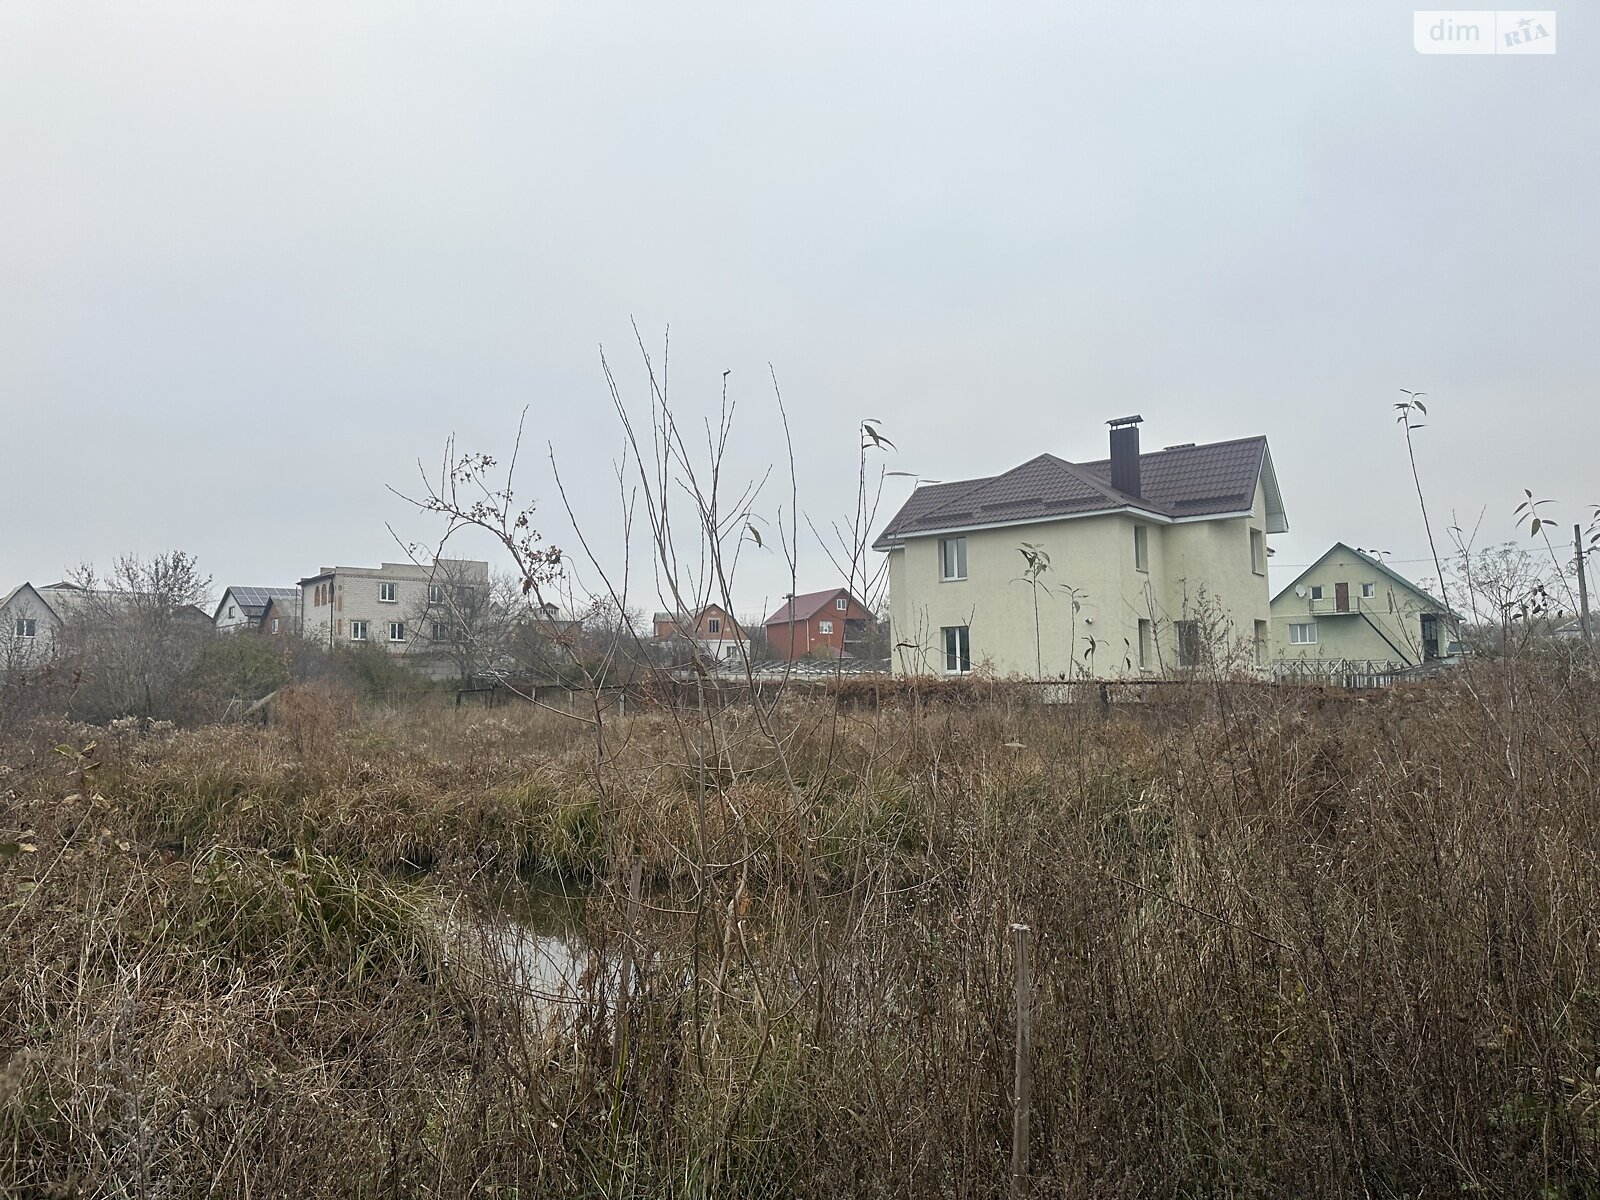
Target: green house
[1349,606]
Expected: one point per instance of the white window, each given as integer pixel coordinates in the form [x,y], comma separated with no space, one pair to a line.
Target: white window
[397,631]
[27,627]
[824,626]
[1369,590]
[274,624]
[957,648]
[1261,643]
[841,604]
[1316,591]
[1141,547]
[713,624]
[435,593]
[441,631]
[953,561]
[1188,642]
[1258,552]
[1303,634]
[358,631]
[389,593]
[230,612]
[1145,640]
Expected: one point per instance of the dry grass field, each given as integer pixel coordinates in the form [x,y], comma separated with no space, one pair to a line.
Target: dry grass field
[1284,943]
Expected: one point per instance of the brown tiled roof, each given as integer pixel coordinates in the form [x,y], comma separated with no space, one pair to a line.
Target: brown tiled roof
[1184,481]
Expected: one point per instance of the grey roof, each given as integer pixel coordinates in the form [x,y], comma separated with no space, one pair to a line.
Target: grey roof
[1183,481]
[254,599]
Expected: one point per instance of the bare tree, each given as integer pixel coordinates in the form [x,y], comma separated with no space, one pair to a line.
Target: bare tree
[136,635]
[465,620]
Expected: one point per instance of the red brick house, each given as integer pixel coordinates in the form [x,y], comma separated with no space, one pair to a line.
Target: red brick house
[831,624]
[713,631]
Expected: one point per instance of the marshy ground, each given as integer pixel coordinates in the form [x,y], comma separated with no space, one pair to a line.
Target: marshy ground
[1284,943]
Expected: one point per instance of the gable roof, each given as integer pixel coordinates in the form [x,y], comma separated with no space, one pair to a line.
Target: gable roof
[689,623]
[1180,483]
[253,600]
[39,594]
[1378,565]
[807,605]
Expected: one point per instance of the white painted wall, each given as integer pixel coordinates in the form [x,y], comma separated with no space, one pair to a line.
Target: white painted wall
[27,604]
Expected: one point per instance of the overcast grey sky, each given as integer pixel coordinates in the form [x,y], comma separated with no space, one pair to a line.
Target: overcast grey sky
[255,259]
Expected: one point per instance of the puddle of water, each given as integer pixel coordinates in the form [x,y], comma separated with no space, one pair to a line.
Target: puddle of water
[529,936]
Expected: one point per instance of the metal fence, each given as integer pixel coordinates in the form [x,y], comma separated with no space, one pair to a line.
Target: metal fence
[1357,673]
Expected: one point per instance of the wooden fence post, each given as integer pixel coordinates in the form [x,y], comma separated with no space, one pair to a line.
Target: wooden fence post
[1023,1087]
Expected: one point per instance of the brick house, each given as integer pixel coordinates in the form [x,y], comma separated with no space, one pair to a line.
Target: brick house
[409,610]
[827,624]
[713,631]
[280,616]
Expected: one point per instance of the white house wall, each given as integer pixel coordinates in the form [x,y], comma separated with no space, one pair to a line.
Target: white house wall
[27,605]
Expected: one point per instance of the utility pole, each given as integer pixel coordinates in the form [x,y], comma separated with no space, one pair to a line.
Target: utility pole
[1583,583]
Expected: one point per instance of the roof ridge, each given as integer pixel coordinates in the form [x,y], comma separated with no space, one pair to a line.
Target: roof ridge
[1084,475]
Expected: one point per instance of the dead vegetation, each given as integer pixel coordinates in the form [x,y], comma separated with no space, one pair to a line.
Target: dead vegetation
[1281,947]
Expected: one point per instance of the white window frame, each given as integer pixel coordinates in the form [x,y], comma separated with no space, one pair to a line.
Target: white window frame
[388,593]
[1141,548]
[26,627]
[1146,636]
[1186,634]
[957,649]
[231,613]
[397,628]
[441,632]
[1316,591]
[436,593]
[1369,591]
[841,603]
[713,624]
[1258,552]
[824,626]
[1297,635]
[1263,635]
[358,631]
[952,561]
[274,624]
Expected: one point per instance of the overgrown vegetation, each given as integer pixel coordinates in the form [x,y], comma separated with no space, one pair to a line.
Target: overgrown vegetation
[1285,943]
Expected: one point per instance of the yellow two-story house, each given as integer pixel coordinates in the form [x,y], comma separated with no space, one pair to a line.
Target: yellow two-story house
[1137,565]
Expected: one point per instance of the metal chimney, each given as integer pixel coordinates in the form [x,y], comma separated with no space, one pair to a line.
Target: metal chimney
[1125,454]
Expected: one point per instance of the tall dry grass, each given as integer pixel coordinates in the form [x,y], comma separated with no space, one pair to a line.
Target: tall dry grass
[1285,943]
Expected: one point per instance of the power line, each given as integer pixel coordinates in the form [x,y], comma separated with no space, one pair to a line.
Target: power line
[1386,562]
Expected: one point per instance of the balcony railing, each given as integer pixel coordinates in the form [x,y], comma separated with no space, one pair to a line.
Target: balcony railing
[1329,606]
